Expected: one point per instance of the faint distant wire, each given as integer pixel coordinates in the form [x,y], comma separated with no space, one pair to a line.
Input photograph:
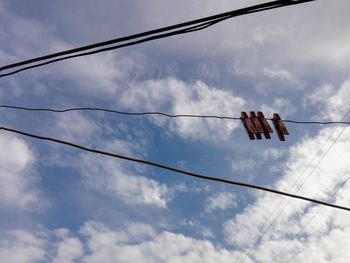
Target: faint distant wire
[173,169]
[262,233]
[303,227]
[309,221]
[347,72]
[181,28]
[159,113]
[312,218]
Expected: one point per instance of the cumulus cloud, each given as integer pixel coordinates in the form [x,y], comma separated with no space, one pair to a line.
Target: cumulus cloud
[96,242]
[220,201]
[18,246]
[249,48]
[299,230]
[75,127]
[115,178]
[272,153]
[244,165]
[107,245]
[279,74]
[69,249]
[331,100]
[279,105]
[334,100]
[177,97]
[17,179]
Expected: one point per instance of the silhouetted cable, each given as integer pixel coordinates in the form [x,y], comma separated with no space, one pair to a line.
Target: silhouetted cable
[309,221]
[319,210]
[169,168]
[261,233]
[168,31]
[159,113]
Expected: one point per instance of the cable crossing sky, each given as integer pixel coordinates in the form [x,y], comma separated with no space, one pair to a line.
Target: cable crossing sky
[159,113]
[173,169]
[130,40]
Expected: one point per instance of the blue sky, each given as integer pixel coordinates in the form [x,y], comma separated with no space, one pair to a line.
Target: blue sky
[58,204]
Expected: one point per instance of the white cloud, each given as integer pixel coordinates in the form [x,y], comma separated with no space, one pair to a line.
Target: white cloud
[303,231]
[17,177]
[332,102]
[116,178]
[244,165]
[106,245]
[220,201]
[19,246]
[197,227]
[177,97]
[272,153]
[321,184]
[75,127]
[282,106]
[68,250]
[140,231]
[320,94]
[279,74]
[338,104]
[100,75]
[96,242]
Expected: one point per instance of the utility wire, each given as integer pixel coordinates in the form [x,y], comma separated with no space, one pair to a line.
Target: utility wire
[181,28]
[160,113]
[173,169]
[312,218]
[347,68]
[309,221]
[262,233]
[264,230]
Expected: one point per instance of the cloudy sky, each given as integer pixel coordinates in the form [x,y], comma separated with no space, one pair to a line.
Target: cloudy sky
[58,204]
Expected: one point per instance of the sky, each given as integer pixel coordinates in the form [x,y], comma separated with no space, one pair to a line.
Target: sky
[59,204]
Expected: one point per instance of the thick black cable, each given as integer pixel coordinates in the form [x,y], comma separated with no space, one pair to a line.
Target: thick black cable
[199,23]
[320,208]
[92,52]
[160,113]
[173,169]
[271,224]
[182,31]
[309,221]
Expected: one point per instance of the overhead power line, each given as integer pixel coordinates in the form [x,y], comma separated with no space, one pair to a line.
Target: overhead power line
[307,223]
[159,113]
[173,169]
[319,209]
[181,28]
[263,230]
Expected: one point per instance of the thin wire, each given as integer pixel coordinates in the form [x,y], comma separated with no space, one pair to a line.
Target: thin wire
[262,234]
[318,122]
[159,113]
[121,112]
[314,215]
[181,28]
[347,72]
[309,221]
[173,169]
